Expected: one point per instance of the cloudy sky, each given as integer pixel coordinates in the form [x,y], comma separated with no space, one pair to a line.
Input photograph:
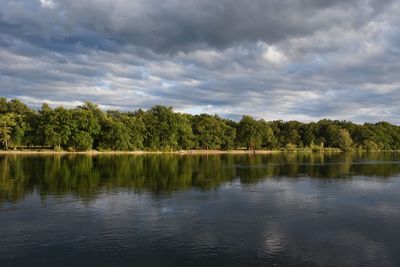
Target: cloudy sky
[274,59]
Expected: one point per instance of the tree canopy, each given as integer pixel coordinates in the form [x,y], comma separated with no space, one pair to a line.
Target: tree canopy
[160,128]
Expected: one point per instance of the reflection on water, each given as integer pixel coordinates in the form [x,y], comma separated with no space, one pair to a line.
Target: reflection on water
[86,176]
[214,210]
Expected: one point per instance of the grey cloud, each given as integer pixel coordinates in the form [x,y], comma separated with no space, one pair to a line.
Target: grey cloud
[177,25]
[286,59]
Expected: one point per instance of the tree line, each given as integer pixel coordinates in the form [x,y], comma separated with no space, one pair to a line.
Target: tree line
[159,128]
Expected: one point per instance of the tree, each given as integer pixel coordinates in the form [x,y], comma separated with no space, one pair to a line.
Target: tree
[185,134]
[136,128]
[84,125]
[17,107]
[82,141]
[308,134]
[290,147]
[18,132]
[332,135]
[208,131]
[339,137]
[127,127]
[370,145]
[114,135]
[344,139]
[249,132]
[290,132]
[161,128]
[228,136]
[56,126]
[33,130]
[3,105]
[7,122]
[268,140]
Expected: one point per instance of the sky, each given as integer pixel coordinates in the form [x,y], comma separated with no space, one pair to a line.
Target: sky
[272,59]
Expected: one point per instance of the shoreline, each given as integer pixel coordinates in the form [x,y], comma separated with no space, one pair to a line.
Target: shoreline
[180,152]
[140,152]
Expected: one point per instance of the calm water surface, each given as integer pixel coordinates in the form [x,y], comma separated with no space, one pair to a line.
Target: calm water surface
[229,210]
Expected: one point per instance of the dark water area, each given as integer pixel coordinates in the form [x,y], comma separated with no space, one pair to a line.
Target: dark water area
[203,210]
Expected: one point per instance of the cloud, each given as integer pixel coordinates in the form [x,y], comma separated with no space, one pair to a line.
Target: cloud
[287,59]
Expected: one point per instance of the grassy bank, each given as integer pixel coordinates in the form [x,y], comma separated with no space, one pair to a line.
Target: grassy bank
[187,152]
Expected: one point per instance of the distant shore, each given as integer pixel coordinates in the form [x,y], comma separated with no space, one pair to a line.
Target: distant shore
[179,152]
[140,152]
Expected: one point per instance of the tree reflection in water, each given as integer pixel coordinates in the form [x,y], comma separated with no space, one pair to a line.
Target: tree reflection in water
[86,175]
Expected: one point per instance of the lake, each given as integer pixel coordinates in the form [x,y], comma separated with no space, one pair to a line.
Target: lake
[201,210]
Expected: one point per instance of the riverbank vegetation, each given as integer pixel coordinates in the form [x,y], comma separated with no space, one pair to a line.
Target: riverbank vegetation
[88,127]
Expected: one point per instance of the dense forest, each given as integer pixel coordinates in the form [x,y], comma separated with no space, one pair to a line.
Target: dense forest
[161,129]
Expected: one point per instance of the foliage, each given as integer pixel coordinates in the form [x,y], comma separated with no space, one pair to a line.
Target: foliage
[160,128]
[212,132]
[7,124]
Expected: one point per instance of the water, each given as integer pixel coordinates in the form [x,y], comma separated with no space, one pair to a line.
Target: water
[229,210]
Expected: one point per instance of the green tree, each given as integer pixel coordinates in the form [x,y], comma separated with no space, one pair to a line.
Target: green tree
[82,141]
[136,128]
[208,131]
[114,135]
[308,134]
[370,145]
[17,107]
[161,128]
[344,139]
[268,139]
[56,126]
[84,125]
[228,136]
[291,133]
[186,139]
[7,123]
[18,132]
[339,137]
[249,133]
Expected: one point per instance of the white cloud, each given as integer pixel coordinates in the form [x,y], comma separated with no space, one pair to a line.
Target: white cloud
[273,55]
[48,3]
